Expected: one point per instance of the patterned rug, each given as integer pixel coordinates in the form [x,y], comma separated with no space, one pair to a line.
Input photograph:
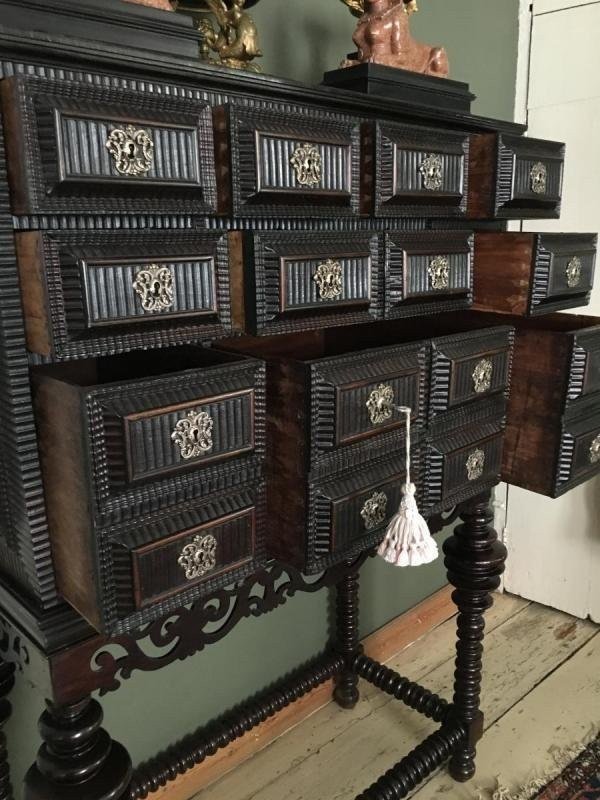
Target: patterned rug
[579,781]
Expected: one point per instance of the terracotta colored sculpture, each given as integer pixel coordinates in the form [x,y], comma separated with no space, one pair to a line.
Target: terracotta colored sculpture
[383,37]
[163,5]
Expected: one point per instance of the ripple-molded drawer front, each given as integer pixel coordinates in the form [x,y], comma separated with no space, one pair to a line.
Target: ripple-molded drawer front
[349,513]
[528,177]
[295,165]
[462,465]
[289,282]
[418,171]
[95,293]
[469,366]
[579,453]
[140,444]
[541,272]
[584,373]
[75,147]
[428,273]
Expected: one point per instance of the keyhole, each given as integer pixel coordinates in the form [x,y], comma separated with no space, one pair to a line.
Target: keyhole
[195,435]
[156,288]
[131,154]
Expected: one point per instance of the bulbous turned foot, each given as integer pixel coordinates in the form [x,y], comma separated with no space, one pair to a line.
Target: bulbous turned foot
[346,693]
[462,765]
[78,759]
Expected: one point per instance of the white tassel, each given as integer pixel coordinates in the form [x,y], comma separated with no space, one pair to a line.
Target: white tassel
[408,541]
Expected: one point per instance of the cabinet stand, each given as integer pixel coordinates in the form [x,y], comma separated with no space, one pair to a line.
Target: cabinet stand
[78,758]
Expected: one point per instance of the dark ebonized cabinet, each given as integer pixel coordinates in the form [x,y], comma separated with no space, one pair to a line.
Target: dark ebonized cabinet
[217,289]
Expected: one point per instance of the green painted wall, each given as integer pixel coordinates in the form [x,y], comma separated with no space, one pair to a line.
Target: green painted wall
[301,39]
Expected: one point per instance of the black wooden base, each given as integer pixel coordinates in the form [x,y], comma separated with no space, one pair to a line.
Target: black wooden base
[79,760]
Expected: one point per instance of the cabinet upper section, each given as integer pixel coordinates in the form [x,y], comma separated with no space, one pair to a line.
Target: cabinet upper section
[95,148]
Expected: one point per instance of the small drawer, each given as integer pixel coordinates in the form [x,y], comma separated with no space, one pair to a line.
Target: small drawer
[541,272]
[277,164]
[584,373]
[462,465]
[80,148]
[94,293]
[578,454]
[418,171]
[528,177]
[427,272]
[141,571]
[128,445]
[348,514]
[304,281]
[469,367]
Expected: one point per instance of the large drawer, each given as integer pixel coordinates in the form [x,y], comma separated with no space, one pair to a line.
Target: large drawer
[540,272]
[420,171]
[427,273]
[116,445]
[286,282]
[80,148]
[554,406]
[95,293]
[125,576]
[515,177]
[462,465]
[469,367]
[275,164]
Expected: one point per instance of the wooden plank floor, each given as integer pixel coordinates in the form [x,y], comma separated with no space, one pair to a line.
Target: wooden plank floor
[541,690]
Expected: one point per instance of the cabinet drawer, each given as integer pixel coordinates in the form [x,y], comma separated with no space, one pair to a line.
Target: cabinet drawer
[541,272]
[348,514]
[528,177]
[584,372]
[89,294]
[292,165]
[427,272]
[469,367]
[462,465]
[579,453]
[142,444]
[74,147]
[306,281]
[419,171]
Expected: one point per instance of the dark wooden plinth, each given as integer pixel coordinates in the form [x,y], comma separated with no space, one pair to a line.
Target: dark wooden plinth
[400,84]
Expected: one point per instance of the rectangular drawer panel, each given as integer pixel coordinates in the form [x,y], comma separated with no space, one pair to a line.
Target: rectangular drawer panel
[306,281]
[468,367]
[565,266]
[463,465]
[99,150]
[93,293]
[143,443]
[188,558]
[579,453]
[292,165]
[350,512]
[428,272]
[584,373]
[530,177]
[354,397]
[420,170]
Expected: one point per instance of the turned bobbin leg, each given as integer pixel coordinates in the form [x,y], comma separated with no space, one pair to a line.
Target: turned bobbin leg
[348,643]
[7,681]
[78,760]
[474,560]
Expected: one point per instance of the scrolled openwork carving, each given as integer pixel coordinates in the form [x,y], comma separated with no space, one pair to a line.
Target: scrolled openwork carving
[374,510]
[573,272]
[538,178]
[198,557]
[432,172]
[193,434]
[380,404]
[482,376]
[154,285]
[475,465]
[439,272]
[329,279]
[595,451]
[308,165]
[132,150]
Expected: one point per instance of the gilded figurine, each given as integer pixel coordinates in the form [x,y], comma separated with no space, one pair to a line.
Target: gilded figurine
[383,36]
[234,39]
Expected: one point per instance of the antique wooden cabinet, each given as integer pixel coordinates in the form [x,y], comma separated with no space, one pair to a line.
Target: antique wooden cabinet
[218,289]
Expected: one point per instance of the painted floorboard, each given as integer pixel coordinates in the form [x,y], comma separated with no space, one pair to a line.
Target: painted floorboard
[336,754]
